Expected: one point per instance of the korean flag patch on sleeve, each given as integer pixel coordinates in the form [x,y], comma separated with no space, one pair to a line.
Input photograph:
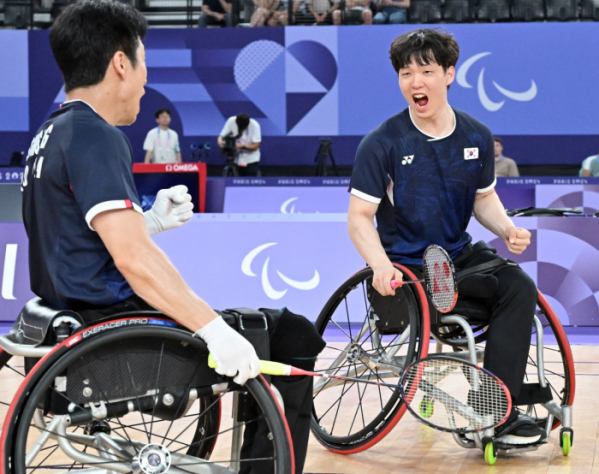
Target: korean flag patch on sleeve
[471,153]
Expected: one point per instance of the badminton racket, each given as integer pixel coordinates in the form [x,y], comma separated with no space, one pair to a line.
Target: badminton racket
[445,393]
[439,279]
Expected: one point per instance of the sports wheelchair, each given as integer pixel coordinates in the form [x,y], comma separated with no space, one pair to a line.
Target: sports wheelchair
[130,393]
[373,337]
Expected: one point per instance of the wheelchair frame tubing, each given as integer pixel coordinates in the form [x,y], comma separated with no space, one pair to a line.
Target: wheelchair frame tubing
[564,346]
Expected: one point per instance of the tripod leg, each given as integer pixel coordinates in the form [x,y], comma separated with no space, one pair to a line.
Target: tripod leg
[333,163]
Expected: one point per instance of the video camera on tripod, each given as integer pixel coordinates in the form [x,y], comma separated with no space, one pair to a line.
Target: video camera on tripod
[230,151]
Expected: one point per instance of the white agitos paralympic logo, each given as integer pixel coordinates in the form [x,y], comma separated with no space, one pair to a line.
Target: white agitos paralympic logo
[482,95]
[273,294]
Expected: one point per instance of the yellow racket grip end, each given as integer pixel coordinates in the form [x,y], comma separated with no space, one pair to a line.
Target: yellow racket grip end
[266,367]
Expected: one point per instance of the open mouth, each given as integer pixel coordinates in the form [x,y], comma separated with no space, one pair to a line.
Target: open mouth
[420,100]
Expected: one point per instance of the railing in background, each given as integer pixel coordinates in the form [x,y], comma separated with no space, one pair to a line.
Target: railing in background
[23,14]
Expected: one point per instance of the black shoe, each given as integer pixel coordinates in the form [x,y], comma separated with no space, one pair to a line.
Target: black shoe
[522,429]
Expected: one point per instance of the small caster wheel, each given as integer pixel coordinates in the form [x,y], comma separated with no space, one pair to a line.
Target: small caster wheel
[490,453]
[427,407]
[565,441]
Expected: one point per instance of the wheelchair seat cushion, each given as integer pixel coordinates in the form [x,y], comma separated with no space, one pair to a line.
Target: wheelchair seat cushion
[34,323]
[473,311]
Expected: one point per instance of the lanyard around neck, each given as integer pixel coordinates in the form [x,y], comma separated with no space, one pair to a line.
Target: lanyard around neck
[168,138]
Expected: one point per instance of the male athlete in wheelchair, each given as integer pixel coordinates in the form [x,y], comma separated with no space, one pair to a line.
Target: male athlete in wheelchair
[128,389]
[423,173]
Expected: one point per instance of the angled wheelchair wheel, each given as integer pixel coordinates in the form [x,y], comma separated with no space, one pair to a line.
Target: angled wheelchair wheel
[558,363]
[12,374]
[129,396]
[370,337]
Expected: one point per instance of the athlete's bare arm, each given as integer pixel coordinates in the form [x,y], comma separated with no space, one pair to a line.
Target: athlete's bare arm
[363,234]
[148,270]
[148,157]
[489,211]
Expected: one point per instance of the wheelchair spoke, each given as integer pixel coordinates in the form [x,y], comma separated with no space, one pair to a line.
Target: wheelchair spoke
[157,385]
[348,321]
[197,418]
[137,396]
[337,411]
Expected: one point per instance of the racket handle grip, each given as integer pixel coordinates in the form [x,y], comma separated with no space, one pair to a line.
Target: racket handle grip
[396,283]
[267,367]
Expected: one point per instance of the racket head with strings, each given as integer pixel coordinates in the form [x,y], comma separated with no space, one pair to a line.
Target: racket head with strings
[439,277]
[439,391]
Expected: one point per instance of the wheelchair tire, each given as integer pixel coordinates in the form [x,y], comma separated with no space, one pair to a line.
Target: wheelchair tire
[562,379]
[158,424]
[339,422]
[12,374]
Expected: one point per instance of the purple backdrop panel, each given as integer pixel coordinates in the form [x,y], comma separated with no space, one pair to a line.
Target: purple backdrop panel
[299,260]
[585,197]
[563,259]
[286,200]
[14,268]
[264,261]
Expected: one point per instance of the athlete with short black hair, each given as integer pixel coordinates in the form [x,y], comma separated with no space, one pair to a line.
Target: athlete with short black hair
[423,173]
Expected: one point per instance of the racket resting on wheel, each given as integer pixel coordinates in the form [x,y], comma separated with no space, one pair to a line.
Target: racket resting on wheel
[472,398]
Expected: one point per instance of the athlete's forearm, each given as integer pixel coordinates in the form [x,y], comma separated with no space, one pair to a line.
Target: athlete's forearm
[148,270]
[489,211]
[365,238]
[148,157]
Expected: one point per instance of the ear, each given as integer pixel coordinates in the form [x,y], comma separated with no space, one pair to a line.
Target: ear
[119,63]
[449,75]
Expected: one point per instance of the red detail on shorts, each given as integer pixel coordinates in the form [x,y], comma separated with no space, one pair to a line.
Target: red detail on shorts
[70,187]
[128,203]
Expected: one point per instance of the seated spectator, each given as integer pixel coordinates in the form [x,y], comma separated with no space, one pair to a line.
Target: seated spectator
[590,166]
[322,11]
[216,13]
[504,166]
[392,11]
[162,143]
[265,9]
[356,12]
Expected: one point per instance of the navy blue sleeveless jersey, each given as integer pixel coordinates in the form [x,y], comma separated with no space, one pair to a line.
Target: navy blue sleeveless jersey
[77,167]
[425,186]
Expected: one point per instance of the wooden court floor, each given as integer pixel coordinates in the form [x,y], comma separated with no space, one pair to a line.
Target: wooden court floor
[414,448]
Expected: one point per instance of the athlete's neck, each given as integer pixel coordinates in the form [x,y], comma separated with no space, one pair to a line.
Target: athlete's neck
[100,100]
[438,125]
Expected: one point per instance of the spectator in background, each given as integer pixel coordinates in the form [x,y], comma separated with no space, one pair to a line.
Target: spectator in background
[322,11]
[216,13]
[590,166]
[392,11]
[356,12]
[247,135]
[504,166]
[265,10]
[162,143]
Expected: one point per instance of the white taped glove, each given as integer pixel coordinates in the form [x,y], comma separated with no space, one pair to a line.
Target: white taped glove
[172,209]
[234,355]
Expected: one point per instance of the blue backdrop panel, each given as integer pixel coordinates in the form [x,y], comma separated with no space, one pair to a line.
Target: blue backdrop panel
[533,84]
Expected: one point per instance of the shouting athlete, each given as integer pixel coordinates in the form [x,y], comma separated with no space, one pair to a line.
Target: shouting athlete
[423,173]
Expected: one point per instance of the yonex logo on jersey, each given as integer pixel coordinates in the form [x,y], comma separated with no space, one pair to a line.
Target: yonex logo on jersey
[407,160]
[471,153]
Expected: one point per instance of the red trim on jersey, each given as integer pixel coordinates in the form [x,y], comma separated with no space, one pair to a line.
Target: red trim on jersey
[128,203]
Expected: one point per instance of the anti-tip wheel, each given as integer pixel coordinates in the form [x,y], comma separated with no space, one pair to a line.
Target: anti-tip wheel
[426,408]
[490,453]
[566,443]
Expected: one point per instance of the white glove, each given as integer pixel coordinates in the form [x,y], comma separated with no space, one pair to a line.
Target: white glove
[172,209]
[233,354]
